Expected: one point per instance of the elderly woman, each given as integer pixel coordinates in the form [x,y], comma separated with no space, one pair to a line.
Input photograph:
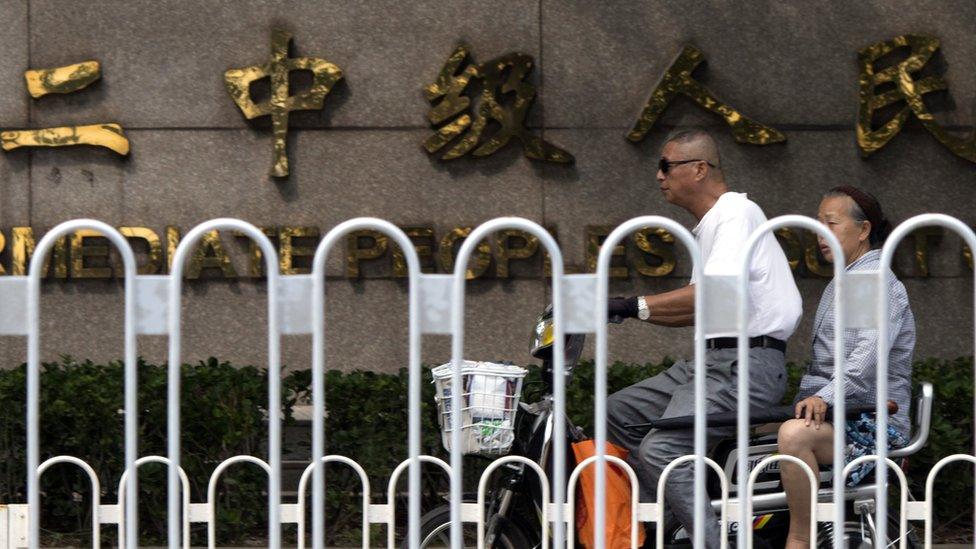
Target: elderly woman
[856,220]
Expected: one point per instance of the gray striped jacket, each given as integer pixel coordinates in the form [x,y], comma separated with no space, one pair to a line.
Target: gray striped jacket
[861,348]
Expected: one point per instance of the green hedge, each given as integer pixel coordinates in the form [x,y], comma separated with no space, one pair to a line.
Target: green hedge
[223,410]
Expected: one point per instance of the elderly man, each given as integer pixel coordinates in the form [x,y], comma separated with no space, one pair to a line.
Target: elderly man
[690,176]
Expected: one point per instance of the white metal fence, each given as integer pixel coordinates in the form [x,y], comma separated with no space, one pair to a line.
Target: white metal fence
[436,304]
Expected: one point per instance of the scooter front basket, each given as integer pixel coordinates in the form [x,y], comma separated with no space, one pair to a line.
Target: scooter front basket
[489,402]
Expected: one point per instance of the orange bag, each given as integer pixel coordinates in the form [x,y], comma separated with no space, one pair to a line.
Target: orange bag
[618,499]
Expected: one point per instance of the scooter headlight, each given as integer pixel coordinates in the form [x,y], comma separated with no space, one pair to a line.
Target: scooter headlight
[543,341]
[542,336]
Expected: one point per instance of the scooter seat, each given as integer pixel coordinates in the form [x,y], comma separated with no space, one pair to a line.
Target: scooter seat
[775,414]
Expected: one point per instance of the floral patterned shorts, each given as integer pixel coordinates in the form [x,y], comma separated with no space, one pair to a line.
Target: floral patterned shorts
[861,435]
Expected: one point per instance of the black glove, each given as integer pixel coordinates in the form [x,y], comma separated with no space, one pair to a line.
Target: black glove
[621,308]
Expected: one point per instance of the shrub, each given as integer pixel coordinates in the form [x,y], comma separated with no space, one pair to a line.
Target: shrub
[222,414]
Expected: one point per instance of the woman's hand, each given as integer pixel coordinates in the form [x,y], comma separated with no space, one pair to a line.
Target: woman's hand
[812,408]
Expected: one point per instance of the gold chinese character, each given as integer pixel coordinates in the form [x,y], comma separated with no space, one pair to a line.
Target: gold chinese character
[499,77]
[62,79]
[238,82]
[907,89]
[677,80]
[68,79]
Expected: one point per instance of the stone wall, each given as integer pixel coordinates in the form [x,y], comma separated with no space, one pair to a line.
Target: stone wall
[194,156]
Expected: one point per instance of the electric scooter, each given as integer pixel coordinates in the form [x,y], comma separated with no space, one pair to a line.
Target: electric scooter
[515,501]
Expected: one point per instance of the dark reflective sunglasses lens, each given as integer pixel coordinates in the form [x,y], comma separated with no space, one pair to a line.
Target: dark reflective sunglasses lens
[663,165]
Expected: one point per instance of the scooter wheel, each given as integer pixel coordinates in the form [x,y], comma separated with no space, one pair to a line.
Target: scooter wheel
[435,532]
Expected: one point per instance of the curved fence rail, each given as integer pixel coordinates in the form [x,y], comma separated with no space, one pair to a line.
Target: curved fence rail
[436,306]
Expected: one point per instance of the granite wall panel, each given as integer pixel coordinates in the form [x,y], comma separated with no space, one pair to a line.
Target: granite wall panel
[337,175]
[74,182]
[14,190]
[163,62]
[781,63]
[14,38]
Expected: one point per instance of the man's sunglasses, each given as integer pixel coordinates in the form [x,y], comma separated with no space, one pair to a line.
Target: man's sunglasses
[665,165]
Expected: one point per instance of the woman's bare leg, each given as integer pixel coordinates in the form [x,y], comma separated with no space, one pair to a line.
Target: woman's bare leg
[813,446]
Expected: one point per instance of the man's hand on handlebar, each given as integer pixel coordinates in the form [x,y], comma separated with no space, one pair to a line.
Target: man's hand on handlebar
[812,409]
[621,308]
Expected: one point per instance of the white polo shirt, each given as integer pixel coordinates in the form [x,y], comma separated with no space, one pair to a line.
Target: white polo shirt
[774,301]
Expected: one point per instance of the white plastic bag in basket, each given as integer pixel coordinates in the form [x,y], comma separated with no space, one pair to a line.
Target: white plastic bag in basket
[489,396]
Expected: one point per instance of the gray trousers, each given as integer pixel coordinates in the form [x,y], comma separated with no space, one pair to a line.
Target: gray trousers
[672,394]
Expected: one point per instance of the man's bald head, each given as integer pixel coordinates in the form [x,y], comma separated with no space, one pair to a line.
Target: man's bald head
[695,143]
[690,173]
